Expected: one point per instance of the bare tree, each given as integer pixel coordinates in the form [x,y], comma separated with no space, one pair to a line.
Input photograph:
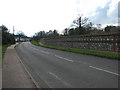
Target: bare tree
[80,21]
[20,34]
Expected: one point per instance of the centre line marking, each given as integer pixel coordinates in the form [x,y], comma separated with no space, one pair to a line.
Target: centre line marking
[41,51]
[54,75]
[60,79]
[64,58]
[44,52]
[104,70]
[34,48]
[82,62]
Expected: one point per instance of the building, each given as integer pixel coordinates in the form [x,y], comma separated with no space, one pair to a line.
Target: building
[21,38]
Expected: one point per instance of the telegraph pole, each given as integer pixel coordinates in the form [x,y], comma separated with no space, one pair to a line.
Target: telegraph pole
[13,34]
[13,30]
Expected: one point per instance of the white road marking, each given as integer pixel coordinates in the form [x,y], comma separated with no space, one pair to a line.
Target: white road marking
[34,48]
[40,50]
[104,70]
[64,58]
[63,81]
[54,55]
[34,81]
[54,75]
[82,62]
[44,52]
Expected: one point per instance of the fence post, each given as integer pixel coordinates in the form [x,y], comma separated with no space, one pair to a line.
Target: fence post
[114,42]
[89,37]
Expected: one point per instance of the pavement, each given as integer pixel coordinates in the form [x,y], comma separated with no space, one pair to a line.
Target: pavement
[0,67]
[60,69]
[14,75]
[0,78]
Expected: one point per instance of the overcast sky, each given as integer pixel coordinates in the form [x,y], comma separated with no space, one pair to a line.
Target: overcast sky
[31,16]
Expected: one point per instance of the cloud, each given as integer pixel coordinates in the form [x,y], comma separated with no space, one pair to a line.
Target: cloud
[100,16]
[88,7]
[112,13]
[34,15]
[106,15]
[119,13]
[99,11]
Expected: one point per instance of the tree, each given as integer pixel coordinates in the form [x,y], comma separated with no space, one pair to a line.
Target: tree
[80,21]
[80,24]
[43,34]
[77,31]
[71,31]
[112,29]
[65,31]
[89,27]
[20,34]
[7,38]
[55,33]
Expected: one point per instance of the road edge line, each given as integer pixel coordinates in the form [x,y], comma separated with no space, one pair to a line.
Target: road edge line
[34,81]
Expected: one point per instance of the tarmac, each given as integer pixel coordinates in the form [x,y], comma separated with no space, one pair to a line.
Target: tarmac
[14,75]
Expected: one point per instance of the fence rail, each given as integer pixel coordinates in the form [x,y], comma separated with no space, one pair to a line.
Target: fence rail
[104,42]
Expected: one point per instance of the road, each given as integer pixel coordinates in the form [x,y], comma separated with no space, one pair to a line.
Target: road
[60,69]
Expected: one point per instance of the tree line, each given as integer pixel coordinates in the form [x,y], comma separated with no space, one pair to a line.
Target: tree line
[42,34]
[79,26]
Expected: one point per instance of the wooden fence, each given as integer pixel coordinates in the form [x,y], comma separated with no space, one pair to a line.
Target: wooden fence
[104,42]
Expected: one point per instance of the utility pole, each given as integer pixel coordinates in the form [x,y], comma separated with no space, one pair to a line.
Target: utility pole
[13,30]
[13,33]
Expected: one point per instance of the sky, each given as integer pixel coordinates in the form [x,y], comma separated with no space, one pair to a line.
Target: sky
[32,16]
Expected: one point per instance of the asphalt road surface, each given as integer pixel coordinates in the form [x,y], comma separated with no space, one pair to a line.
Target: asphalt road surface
[60,69]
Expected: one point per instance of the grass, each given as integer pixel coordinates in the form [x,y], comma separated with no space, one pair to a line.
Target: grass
[2,50]
[82,51]
[4,47]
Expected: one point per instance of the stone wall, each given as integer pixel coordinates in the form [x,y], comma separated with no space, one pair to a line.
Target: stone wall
[104,42]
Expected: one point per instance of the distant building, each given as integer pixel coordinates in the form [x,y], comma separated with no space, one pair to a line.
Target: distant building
[21,38]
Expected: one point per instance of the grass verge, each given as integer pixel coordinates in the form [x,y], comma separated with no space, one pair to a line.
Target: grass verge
[2,52]
[82,51]
[4,47]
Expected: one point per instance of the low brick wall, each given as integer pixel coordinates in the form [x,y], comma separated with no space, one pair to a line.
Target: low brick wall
[104,42]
